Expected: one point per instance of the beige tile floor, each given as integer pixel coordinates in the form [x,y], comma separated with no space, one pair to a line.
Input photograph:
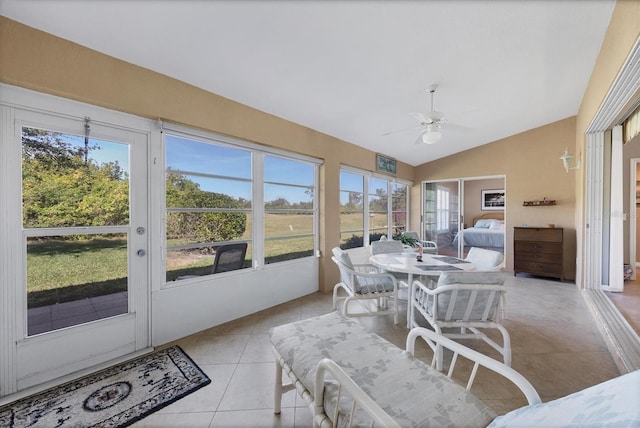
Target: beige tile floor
[555,343]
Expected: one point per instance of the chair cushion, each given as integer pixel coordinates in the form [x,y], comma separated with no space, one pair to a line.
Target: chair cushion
[485,259]
[342,257]
[471,277]
[410,391]
[463,296]
[374,284]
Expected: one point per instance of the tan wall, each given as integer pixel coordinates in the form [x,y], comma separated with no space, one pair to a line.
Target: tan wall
[39,61]
[622,34]
[530,161]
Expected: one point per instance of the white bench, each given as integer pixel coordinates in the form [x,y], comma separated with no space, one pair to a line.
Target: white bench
[351,377]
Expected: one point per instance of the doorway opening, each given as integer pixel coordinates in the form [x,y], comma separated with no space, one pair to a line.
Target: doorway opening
[464,213]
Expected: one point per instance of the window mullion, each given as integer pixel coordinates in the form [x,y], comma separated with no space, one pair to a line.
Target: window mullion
[365,209]
[390,209]
[258,232]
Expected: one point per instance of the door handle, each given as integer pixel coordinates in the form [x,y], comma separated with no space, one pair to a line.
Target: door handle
[141,253]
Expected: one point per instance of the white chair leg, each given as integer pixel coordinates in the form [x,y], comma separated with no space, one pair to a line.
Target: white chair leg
[345,307]
[506,345]
[335,295]
[277,393]
[395,310]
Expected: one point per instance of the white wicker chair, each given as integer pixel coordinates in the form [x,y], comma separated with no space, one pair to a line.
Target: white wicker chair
[382,247]
[364,282]
[465,302]
[428,247]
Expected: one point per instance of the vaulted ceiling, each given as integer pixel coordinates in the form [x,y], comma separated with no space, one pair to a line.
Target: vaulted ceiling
[355,69]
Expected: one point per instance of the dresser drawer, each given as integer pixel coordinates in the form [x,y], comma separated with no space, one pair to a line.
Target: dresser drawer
[537,234]
[538,247]
[544,269]
[539,257]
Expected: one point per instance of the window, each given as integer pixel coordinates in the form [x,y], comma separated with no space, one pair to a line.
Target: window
[351,209]
[289,220]
[366,210]
[218,193]
[443,209]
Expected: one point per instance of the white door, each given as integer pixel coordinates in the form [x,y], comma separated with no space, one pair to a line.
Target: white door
[616,215]
[81,295]
[441,215]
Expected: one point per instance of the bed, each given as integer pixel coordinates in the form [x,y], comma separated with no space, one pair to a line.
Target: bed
[487,231]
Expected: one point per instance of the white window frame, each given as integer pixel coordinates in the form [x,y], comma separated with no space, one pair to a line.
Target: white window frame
[258,236]
[365,200]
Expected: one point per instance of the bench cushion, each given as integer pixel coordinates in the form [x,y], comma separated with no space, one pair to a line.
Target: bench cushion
[410,391]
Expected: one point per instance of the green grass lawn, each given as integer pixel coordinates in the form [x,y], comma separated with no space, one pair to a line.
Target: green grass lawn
[65,270]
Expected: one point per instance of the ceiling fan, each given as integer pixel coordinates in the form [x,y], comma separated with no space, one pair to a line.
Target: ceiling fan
[432,122]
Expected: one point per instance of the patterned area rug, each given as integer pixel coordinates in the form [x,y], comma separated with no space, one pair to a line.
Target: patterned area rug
[114,397]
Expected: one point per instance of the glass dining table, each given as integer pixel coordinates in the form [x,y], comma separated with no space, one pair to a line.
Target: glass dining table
[407,263]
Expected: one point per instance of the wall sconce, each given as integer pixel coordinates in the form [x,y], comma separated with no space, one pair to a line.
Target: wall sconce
[568,161]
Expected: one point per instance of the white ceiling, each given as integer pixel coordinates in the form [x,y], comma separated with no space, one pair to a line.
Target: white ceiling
[355,69]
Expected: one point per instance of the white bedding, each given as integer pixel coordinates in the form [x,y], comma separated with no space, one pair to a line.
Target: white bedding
[485,233]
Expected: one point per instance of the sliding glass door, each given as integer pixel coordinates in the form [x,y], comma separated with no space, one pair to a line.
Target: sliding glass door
[464,213]
[441,213]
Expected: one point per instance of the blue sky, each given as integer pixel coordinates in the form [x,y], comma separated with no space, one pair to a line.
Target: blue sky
[194,156]
[199,157]
[106,152]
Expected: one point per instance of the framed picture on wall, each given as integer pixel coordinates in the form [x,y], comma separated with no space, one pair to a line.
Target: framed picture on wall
[493,200]
[385,164]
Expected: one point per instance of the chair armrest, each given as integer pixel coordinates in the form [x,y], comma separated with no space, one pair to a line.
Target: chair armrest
[434,339]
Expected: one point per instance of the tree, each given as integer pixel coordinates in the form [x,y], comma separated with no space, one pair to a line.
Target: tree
[197,227]
[61,189]
[51,148]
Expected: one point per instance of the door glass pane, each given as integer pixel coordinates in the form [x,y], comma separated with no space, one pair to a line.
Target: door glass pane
[440,216]
[72,181]
[75,279]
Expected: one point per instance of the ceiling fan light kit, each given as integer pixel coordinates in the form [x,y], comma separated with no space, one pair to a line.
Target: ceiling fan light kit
[431,137]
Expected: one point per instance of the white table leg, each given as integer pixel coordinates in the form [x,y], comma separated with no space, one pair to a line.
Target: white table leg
[409,305]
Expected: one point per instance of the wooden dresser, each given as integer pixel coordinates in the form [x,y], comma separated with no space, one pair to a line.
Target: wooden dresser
[538,251]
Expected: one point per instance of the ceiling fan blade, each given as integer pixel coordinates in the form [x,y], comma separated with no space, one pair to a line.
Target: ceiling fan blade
[435,116]
[459,128]
[402,130]
[422,118]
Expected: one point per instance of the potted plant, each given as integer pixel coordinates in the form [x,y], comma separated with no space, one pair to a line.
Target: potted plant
[411,242]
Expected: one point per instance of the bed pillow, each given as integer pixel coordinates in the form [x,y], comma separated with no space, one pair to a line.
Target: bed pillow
[497,225]
[483,224]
